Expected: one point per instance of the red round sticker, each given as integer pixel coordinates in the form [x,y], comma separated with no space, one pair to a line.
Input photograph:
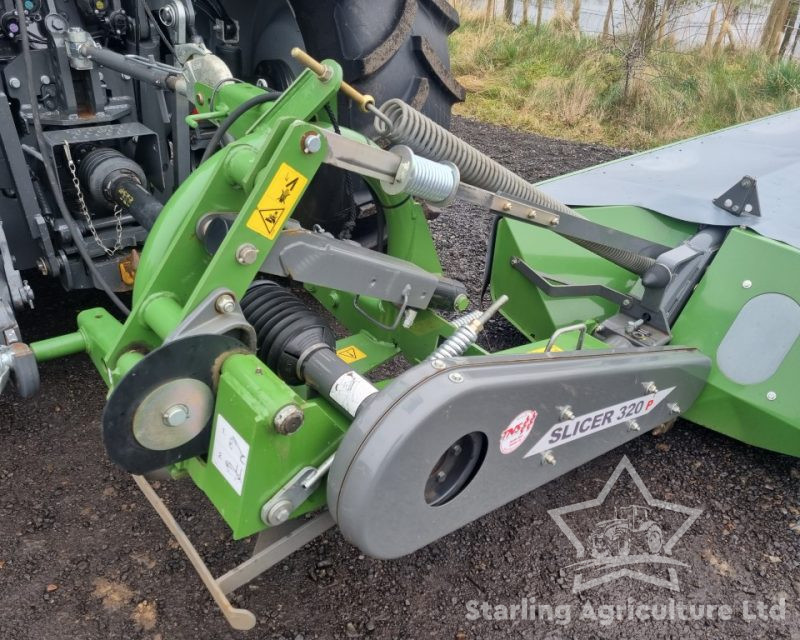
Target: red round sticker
[516,432]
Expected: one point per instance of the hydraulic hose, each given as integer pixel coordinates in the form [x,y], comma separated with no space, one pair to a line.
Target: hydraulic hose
[430,140]
[51,172]
[233,116]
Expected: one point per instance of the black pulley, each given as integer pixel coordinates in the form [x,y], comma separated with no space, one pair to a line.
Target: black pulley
[161,411]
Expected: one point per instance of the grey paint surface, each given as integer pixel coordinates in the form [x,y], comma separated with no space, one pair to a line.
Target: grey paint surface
[681,179]
[394,442]
[759,338]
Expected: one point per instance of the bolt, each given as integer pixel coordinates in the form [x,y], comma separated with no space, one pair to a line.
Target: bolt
[225,303]
[531,215]
[279,513]
[650,387]
[548,457]
[124,76]
[200,98]
[626,303]
[771,395]
[674,408]
[441,476]
[288,419]
[14,82]
[438,364]
[506,206]
[633,425]
[42,266]
[246,253]
[312,142]
[456,449]
[746,284]
[456,377]
[566,413]
[44,79]
[554,221]
[175,415]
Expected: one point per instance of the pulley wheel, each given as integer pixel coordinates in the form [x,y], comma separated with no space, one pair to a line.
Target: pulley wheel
[161,411]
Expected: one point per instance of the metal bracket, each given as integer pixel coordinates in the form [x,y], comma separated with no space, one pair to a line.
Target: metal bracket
[272,546]
[207,318]
[741,199]
[277,509]
[631,306]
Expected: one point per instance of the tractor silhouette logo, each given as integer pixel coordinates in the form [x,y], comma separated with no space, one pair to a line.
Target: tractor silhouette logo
[635,543]
[630,527]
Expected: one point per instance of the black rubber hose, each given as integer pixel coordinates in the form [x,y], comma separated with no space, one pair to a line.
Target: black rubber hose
[51,172]
[233,116]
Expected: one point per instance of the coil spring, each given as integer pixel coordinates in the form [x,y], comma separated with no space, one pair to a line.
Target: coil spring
[456,344]
[464,320]
[430,180]
[425,137]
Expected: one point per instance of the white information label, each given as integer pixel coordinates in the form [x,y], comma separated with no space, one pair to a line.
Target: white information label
[229,453]
[350,390]
[590,423]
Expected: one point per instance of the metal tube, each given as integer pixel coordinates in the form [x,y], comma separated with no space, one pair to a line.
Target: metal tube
[162,314]
[118,62]
[58,346]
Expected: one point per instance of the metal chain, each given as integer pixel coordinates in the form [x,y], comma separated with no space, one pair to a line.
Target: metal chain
[85,210]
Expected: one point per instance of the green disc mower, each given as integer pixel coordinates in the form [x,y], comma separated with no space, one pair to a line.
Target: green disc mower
[667,288]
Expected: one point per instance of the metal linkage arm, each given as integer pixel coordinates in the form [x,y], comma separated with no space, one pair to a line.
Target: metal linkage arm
[391,167]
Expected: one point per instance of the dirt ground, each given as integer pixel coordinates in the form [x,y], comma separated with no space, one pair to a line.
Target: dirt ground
[82,555]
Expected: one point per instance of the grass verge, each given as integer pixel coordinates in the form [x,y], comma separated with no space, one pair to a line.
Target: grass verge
[557,83]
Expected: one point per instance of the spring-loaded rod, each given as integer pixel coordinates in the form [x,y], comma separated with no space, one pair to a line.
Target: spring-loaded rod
[467,335]
[364,101]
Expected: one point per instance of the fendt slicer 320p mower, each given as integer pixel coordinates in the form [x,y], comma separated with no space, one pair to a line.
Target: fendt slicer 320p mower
[684,301]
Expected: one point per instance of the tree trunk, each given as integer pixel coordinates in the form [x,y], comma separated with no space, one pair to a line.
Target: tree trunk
[794,42]
[526,5]
[539,10]
[666,10]
[489,10]
[727,9]
[789,26]
[773,29]
[607,19]
[576,14]
[508,10]
[712,22]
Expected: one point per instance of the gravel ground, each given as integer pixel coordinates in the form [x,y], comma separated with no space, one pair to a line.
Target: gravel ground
[82,555]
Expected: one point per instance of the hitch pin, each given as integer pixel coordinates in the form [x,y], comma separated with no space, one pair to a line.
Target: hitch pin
[365,102]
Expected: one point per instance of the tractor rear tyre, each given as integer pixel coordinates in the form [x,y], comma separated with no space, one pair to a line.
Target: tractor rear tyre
[388,49]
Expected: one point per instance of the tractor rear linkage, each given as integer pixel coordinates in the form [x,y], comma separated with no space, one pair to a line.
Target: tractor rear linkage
[236,383]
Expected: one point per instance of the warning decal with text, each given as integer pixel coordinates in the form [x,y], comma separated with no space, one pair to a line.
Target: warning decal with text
[277,202]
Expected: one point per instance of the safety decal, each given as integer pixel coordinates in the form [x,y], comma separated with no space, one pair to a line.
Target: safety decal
[277,202]
[229,453]
[516,432]
[590,423]
[351,354]
[555,347]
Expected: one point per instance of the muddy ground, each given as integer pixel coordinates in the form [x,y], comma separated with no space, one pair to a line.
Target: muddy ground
[82,555]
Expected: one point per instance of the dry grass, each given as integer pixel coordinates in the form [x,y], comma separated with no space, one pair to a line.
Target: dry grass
[557,83]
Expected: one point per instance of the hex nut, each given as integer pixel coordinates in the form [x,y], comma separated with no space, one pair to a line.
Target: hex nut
[225,303]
